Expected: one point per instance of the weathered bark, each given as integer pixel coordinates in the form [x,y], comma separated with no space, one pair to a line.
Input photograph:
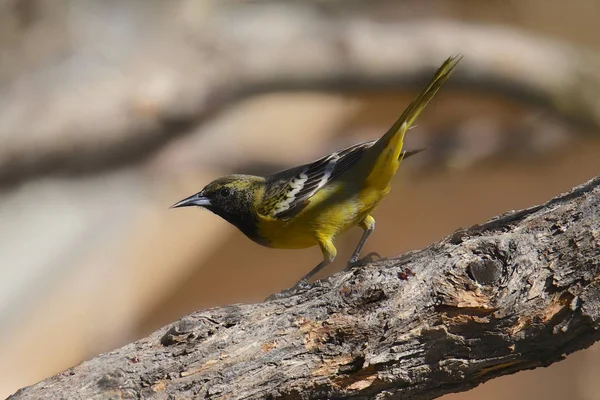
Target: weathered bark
[518,292]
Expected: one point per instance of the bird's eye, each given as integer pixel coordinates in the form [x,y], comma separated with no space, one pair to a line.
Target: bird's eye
[225,192]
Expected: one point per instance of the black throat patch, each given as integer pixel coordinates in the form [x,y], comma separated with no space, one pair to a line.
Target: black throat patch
[238,210]
[245,222]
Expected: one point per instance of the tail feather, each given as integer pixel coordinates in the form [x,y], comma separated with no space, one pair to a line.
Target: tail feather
[408,153]
[386,153]
[413,110]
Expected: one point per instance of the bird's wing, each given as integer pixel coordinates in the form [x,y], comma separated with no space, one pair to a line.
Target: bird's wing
[289,191]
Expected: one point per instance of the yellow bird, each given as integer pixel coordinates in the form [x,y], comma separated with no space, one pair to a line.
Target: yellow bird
[310,205]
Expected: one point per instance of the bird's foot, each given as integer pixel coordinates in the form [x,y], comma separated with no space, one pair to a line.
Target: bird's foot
[355,262]
[298,288]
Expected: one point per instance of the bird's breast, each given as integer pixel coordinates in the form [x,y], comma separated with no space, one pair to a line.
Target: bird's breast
[329,213]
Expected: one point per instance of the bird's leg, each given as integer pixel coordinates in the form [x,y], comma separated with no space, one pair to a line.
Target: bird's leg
[368,224]
[304,281]
[329,252]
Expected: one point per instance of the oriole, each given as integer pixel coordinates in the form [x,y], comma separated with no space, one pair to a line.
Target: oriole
[313,203]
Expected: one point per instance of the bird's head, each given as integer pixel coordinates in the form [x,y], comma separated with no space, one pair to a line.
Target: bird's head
[232,197]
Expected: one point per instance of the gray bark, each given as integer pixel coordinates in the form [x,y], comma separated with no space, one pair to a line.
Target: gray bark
[519,292]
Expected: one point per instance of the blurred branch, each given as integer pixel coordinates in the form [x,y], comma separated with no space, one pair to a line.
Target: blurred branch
[518,292]
[205,65]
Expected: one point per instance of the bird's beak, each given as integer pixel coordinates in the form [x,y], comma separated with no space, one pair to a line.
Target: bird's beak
[195,200]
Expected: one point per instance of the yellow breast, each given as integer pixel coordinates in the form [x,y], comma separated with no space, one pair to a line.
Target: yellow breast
[331,211]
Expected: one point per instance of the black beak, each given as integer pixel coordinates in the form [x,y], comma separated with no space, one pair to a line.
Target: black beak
[195,200]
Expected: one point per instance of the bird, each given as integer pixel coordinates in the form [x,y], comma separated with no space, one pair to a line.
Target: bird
[311,204]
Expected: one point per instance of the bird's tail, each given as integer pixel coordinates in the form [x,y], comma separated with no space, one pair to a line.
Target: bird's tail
[388,149]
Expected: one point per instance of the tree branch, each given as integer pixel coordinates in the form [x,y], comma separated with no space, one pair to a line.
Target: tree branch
[518,292]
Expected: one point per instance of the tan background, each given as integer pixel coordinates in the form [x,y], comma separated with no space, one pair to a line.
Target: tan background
[92,260]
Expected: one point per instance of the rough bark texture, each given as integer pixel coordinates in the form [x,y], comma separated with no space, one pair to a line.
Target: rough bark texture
[518,292]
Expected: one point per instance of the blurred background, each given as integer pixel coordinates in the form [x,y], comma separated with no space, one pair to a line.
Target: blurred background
[111,111]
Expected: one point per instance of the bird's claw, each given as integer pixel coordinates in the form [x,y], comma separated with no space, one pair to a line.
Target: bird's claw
[369,258]
[298,288]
